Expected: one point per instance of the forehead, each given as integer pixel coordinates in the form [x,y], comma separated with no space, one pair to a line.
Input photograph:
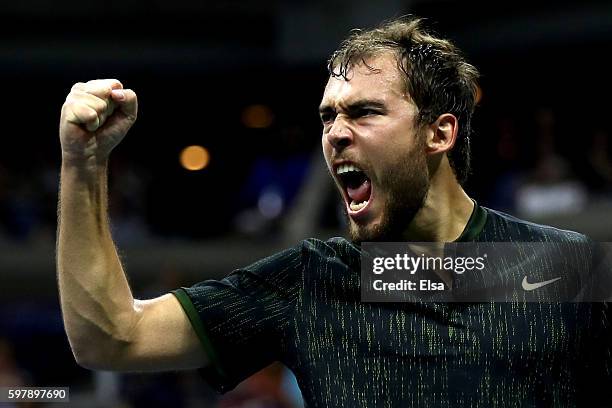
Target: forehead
[383,82]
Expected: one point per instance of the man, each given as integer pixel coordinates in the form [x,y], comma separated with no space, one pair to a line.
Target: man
[396,125]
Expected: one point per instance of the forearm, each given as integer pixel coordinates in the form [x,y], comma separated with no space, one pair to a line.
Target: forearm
[106,327]
[97,304]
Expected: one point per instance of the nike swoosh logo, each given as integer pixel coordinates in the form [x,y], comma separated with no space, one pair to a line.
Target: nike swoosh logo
[533,286]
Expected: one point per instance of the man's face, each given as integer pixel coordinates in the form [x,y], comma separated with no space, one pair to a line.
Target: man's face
[373,149]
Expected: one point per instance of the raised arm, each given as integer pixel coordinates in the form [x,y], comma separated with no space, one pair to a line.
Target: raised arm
[107,328]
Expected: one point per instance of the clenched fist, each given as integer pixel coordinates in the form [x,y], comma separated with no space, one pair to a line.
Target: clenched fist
[95,118]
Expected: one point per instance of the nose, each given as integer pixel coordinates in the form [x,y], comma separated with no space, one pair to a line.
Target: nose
[340,135]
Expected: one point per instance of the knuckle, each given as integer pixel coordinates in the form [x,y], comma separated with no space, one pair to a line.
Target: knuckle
[65,108]
[67,103]
[77,86]
[97,87]
[70,105]
[76,94]
[73,94]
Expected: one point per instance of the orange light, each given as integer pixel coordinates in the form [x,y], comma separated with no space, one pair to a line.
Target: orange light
[194,158]
[257,116]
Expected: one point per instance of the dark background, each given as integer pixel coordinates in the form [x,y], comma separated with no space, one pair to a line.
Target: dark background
[541,142]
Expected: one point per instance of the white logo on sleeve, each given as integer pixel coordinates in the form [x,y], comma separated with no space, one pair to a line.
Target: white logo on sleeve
[533,286]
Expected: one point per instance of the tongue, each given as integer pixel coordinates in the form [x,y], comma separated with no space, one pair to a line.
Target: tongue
[361,193]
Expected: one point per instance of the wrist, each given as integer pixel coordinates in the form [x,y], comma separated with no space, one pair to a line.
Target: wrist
[88,170]
[91,162]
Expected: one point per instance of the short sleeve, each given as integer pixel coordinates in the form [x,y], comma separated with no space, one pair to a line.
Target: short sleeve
[241,320]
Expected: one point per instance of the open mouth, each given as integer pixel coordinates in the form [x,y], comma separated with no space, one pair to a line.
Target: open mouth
[356,185]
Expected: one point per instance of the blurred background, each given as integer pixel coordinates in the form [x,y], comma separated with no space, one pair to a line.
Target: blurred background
[224,164]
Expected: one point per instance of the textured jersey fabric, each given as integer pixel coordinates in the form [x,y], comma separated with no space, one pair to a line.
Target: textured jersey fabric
[302,307]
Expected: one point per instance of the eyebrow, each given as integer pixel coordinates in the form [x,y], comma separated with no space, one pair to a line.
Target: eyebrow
[355,106]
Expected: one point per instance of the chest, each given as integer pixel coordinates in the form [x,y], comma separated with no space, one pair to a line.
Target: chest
[509,333]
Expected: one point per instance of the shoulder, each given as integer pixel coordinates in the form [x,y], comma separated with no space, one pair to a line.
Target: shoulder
[331,251]
[502,227]
[334,247]
[306,254]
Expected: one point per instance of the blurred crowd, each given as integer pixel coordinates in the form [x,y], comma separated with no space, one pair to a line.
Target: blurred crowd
[549,170]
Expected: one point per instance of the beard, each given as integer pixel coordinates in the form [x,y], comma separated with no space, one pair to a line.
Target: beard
[406,184]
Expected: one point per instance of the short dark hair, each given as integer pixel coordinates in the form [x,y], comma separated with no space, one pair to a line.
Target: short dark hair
[437,76]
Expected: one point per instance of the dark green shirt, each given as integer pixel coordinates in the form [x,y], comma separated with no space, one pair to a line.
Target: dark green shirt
[302,307]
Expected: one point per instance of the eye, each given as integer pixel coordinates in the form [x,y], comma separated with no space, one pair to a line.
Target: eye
[369,112]
[327,117]
[365,112]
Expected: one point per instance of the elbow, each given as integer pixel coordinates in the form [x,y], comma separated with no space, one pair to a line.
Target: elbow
[85,349]
[88,356]
[95,347]
[87,362]
[94,356]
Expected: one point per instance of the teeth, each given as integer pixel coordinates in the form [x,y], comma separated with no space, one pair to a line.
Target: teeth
[356,207]
[345,168]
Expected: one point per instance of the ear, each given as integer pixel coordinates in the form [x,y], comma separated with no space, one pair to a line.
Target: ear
[442,134]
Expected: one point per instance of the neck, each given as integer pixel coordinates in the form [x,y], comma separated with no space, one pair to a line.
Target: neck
[446,211]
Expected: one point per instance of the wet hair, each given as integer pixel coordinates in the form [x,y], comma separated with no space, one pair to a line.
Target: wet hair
[437,76]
